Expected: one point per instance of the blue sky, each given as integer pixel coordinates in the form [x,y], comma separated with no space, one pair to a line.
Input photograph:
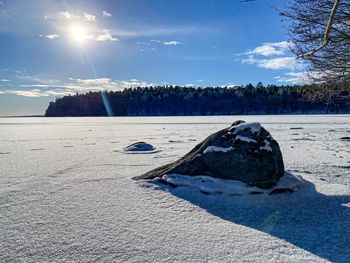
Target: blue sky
[52,48]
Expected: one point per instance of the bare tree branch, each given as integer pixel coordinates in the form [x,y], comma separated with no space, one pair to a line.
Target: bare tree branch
[326,37]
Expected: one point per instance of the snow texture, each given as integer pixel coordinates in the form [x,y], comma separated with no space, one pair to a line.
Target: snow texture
[210,185]
[74,200]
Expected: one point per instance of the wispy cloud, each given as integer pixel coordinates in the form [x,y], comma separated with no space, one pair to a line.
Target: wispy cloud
[302,77]
[154,31]
[52,36]
[279,63]
[249,60]
[105,35]
[172,43]
[229,85]
[89,17]
[156,42]
[272,55]
[106,14]
[4,80]
[67,15]
[273,63]
[34,93]
[270,49]
[32,18]
[74,85]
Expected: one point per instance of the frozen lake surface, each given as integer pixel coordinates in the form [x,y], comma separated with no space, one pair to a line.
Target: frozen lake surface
[66,193]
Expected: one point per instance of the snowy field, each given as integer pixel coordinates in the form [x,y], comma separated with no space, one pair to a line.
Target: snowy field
[66,194]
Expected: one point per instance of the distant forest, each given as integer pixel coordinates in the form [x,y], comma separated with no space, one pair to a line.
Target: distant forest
[176,100]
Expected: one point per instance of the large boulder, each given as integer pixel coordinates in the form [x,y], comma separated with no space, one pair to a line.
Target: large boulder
[244,151]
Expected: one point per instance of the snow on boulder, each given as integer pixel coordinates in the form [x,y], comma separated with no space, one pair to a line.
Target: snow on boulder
[244,152]
[210,149]
[140,147]
[211,185]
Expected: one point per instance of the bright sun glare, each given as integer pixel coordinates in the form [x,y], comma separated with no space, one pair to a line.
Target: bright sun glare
[78,33]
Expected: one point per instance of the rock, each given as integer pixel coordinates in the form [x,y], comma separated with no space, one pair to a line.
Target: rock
[139,147]
[245,152]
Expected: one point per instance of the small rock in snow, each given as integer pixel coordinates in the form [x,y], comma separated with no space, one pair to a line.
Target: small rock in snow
[140,147]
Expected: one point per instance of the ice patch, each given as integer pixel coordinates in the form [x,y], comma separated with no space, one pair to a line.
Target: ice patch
[212,148]
[211,185]
[245,139]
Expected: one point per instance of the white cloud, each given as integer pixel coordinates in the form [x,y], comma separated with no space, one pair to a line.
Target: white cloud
[270,49]
[249,60]
[52,36]
[106,14]
[303,77]
[4,80]
[89,17]
[104,36]
[68,15]
[133,83]
[34,93]
[278,63]
[229,85]
[160,42]
[278,59]
[41,87]
[172,43]
[273,63]
[100,84]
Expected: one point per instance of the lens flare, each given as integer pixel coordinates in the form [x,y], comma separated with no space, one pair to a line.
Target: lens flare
[78,33]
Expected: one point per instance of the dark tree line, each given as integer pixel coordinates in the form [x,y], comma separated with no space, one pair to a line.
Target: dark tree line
[175,100]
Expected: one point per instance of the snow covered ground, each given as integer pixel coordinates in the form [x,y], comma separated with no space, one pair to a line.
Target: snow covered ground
[66,194]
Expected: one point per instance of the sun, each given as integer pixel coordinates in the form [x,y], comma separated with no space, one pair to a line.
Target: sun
[78,33]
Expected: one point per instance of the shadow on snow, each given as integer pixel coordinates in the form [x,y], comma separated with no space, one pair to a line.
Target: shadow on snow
[317,223]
